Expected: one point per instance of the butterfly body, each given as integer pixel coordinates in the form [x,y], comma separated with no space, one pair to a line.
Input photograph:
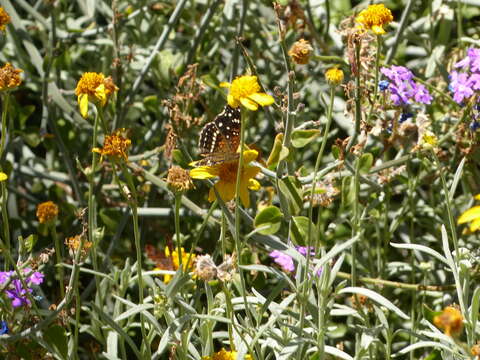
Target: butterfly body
[219,139]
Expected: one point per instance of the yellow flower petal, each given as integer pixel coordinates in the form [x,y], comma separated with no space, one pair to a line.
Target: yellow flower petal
[253,185]
[3,176]
[83,104]
[378,30]
[262,99]
[469,215]
[250,172]
[226,190]
[244,195]
[225,84]
[101,94]
[477,197]
[232,102]
[249,104]
[204,172]
[249,156]
[475,225]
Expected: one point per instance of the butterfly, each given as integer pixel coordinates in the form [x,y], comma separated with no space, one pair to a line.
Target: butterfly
[220,138]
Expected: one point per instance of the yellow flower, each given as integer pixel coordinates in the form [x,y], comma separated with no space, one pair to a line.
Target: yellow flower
[4,19]
[227,174]
[300,52]
[450,321]
[9,77]
[334,76]
[471,215]
[170,262]
[225,355]
[3,176]
[93,87]
[245,90]
[47,212]
[115,145]
[374,18]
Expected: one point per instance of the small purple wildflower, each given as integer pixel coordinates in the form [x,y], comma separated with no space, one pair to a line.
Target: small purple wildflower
[3,327]
[471,61]
[460,86]
[285,261]
[4,276]
[16,291]
[403,89]
[18,294]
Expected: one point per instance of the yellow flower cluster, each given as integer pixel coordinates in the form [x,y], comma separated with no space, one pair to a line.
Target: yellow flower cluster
[9,77]
[225,355]
[450,321]
[115,145]
[374,18]
[334,76]
[227,174]
[245,90]
[47,212]
[4,19]
[93,87]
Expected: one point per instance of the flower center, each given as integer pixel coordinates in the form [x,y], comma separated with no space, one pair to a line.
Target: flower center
[228,171]
[244,86]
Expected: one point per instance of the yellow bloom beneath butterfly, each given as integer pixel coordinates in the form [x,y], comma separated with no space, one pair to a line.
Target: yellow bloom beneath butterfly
[374,18]
[245,90]
[94,87]
[225,355]
[227,174]
[472,216]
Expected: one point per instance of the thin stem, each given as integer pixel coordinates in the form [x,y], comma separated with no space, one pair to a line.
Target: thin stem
[6,226]
[230,314]
[356,222]
[58,255]
[358,103]
[375,84]
[178,203]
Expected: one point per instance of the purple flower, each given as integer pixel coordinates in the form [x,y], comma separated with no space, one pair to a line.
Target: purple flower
[403,89]
[4,276]
[18,294]
[36,278]
[397,73]
[460,86]
[383,85]
[285,261]
[421,94]
[472,61]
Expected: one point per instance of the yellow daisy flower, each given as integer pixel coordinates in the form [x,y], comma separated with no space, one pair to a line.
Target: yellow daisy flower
[227,174]
[4,19]
[374,18]
[334,76]
[170,262]
[93,87]
[245,90]
[115,145]
[225,355]
[472,216]
[3,176]
[47,212]
[9,77]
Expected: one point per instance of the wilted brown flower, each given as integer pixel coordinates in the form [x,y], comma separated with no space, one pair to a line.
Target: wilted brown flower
[47,212]
[450,321]
[178,179]
[115,145]
[300,52]
[206,269]
[73,243]
[324,193]
[9,77]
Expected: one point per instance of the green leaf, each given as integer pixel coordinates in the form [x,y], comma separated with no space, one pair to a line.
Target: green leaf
[300,138]
[293,192]
[299,230]
[429,314]
[336,152]
[56,336]
[348,191]
[270,219]
[278,153]
[366,162]
[179,159]
[30,242]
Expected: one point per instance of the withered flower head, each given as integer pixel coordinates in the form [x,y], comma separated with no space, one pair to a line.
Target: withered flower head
[73,244]
[178,179]
[324,193]
[450,321]
[9,77]
[4,19]
[205,268]
[300,52]
[115,145]
[47,212]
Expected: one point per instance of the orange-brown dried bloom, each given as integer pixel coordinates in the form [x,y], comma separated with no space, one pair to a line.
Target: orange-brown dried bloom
[73,243]
[47,212]
[115,145]
[450,321]
[93,87]
[300,52]
[9,77]
[475,350]
[178,179]
[4,19]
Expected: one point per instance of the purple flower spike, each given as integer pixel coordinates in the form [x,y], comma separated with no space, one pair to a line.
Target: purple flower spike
[421,94]
[18,294]
[460,86]
[36,278]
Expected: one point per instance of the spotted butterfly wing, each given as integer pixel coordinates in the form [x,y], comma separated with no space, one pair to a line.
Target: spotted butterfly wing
[220,138]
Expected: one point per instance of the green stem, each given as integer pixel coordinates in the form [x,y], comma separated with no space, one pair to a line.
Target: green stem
[375,84]
[358,103]
[58,255]
[92,206]
[178,203]
[356,222]
[230,315]
[6,226]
